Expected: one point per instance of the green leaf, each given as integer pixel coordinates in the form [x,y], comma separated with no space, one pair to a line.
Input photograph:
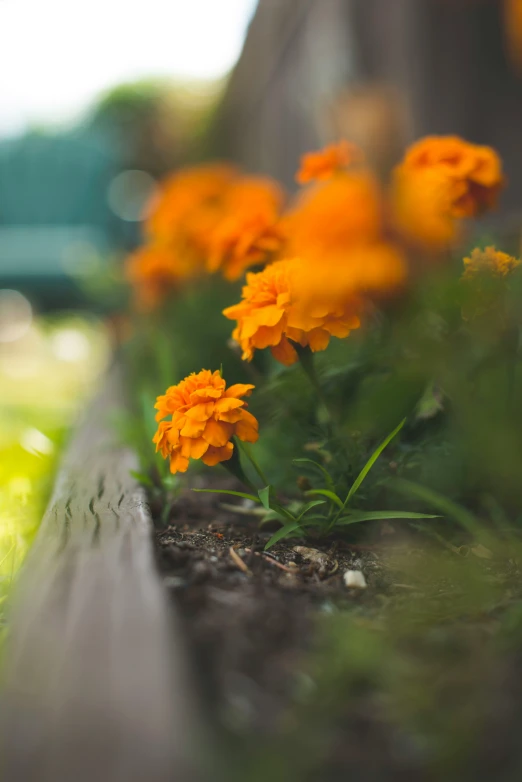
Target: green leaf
[328,478]
[371,461]
[264,496]
[142,478]
[284,532]
[309,506]
[449,508]
[356,518]
[282,511]
[325,493]
[233,493]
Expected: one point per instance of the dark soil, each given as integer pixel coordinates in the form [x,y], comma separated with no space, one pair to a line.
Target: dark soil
[251,621]
[248,612]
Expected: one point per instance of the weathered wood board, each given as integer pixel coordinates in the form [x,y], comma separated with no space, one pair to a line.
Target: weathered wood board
[95,682]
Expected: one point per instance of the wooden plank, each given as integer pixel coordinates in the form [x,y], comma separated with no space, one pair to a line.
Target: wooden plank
[95,682]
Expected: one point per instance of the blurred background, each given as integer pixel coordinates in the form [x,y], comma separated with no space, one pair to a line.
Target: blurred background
[98,101]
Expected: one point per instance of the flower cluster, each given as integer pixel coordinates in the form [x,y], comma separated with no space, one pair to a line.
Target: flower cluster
[489,261]
[204,416]
[205,218]
[335,262]
[326,261]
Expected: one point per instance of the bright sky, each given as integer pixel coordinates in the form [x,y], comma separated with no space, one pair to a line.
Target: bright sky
[57,55]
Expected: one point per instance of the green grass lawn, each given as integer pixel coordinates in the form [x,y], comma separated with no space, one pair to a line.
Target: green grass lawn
[45,376]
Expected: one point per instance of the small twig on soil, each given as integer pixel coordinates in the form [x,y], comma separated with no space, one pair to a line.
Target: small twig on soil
[238,561]
[273,561]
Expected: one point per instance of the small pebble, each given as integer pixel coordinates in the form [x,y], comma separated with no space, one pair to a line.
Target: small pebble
[354,579]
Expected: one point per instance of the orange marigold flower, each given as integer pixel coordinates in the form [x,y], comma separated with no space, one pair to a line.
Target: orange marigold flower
[205,415]
[422,208]
[187,207]
[489,261]
[474,172]
[332,216]
[348,283]
[248,231]
[279,309]
[326,162]
[153,273]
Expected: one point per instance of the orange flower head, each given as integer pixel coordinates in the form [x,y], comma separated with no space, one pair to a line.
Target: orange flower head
[248,231]
[327,162]
[489,261]
[153,273]
[473,173]
[187,207]
[204,416]
[422,208]
[267,315]
[346,285]
[332,216]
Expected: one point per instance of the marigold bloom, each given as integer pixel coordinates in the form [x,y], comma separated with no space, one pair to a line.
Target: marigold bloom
[332,216]
[348,283]
[422,208]
[248,231]
[474,173]
[326,162]
[486,277]
[187,208]
[205,415]
[153,273]
[442,180]
[489,261]
[297,301]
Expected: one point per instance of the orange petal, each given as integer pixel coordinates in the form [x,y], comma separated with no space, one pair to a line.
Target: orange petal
[200,412]
[193,448]
[239,389]
[192,428]
[246,428]
[205,394]
[216,455]
[178,463]
[285,352]
[230,417]
[224,405]
[217,433]
[318,339]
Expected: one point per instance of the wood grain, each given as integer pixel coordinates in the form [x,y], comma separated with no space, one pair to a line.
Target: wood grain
[95,680]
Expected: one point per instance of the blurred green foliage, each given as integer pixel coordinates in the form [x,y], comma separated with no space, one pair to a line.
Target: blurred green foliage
[44,376]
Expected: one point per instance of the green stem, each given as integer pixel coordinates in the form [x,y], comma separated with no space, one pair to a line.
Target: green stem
[248,453]
[306,357]
[234,467]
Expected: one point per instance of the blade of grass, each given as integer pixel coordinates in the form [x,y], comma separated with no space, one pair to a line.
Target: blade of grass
[462,516]
[325,493]
[356,518]
[323,470]
[371,461]
[233,493]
